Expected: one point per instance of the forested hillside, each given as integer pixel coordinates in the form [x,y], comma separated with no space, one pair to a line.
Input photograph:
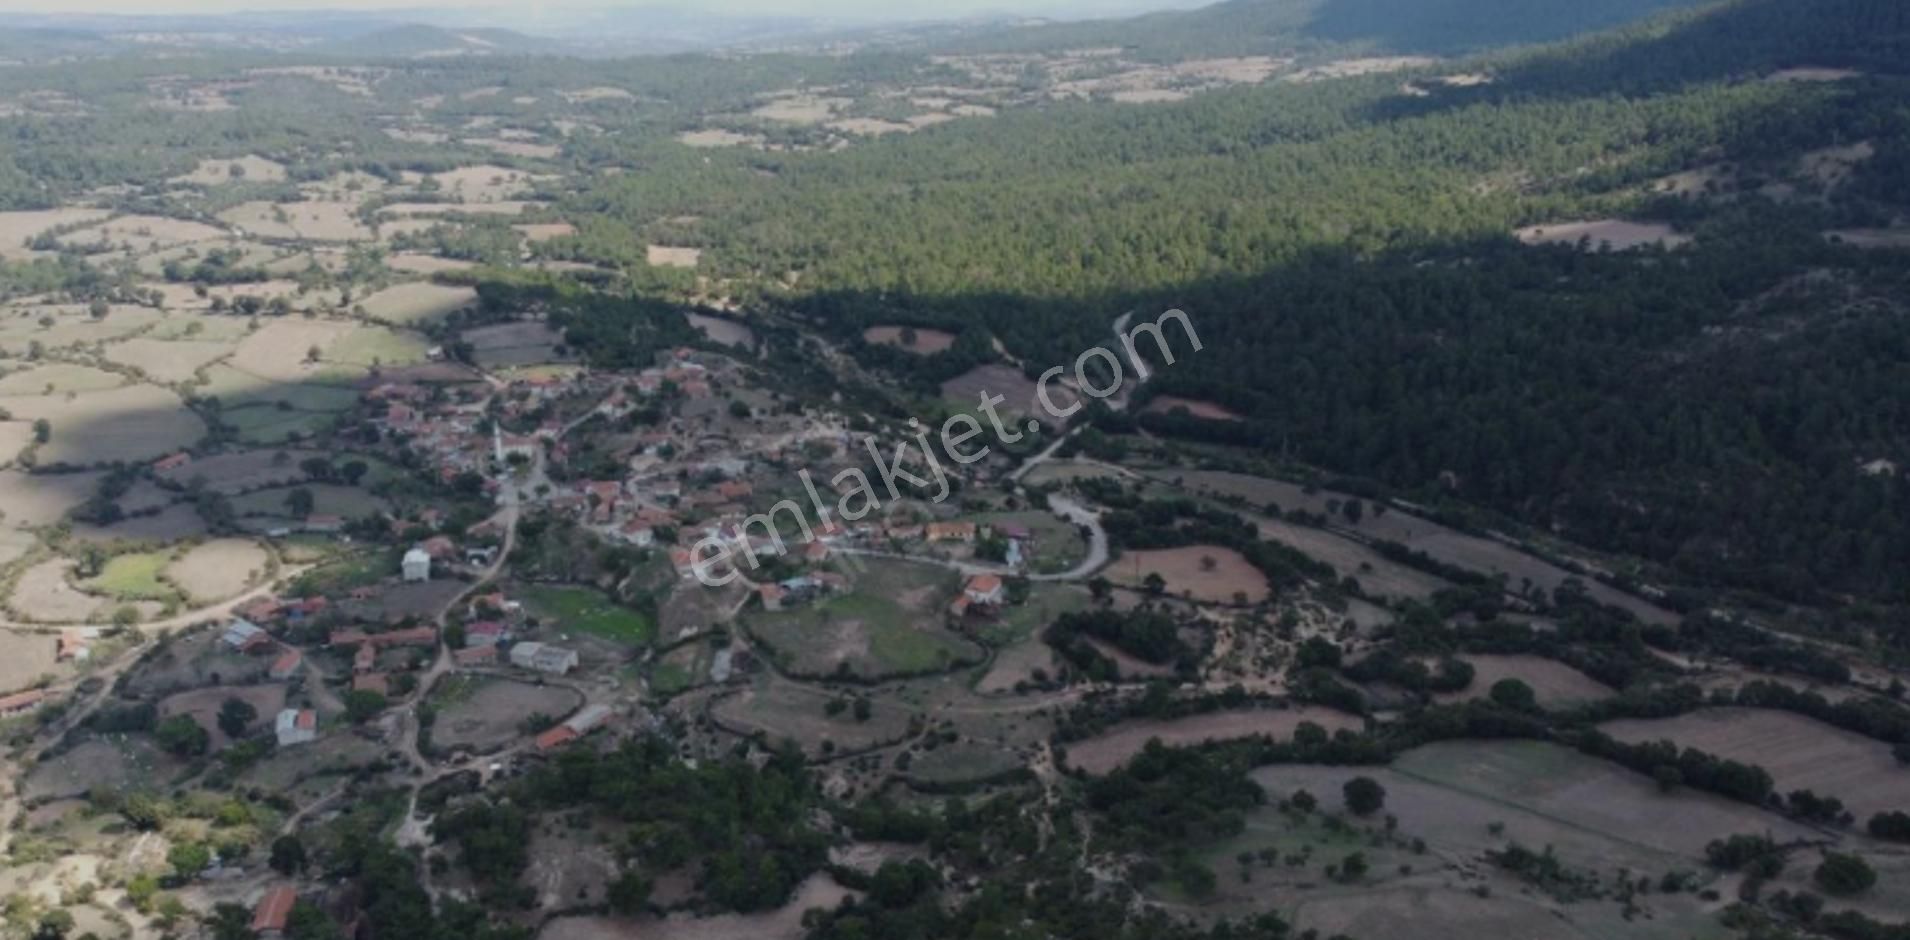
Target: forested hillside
[1280,27]
[1348,245]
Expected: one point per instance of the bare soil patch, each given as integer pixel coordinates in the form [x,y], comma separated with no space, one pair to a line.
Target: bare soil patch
[219,569]
[1207,573]
[928,342]
[203,705]
[1603,234]
[665,256]
[486,713]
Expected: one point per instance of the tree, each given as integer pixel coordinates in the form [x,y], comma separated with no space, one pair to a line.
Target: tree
[1894,826]
[1303,801]
[1154,584]
[54,925]
[299,502]
[42,430]
[1844,875]
[98,308]
[629,894]
[288,855]
[361,705]
[182,736]
[1515,695]
[188,859]
[1364,796]
[314,354]
[1353,867]
[234,715]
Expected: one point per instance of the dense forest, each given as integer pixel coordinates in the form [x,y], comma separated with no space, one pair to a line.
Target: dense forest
[1345,251]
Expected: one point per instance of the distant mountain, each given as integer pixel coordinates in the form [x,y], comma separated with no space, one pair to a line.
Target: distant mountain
[1399,27]
[417,40]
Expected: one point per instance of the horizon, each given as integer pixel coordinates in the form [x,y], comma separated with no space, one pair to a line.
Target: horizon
[862,10]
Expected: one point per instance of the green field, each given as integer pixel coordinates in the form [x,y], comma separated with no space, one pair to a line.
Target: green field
[891,623]
[589,611]
[133,577]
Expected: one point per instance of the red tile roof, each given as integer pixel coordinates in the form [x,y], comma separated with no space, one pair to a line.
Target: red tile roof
[275,908]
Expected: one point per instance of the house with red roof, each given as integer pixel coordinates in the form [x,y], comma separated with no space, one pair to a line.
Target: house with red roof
[274,910]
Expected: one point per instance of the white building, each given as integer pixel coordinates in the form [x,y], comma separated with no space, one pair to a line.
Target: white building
[417,565]
[543,657]
[297,726]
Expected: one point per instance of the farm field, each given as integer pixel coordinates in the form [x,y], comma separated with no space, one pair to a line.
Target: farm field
[132,577]
[132,422]
[588,610]
[483,713]
[787,711]
[1799,752]
[889,624]
[417,302]
[1464,799]
[219,568]
[1555,683]
[1206,573]
[203,705]
[26,657]
[44,593]
[1105,752]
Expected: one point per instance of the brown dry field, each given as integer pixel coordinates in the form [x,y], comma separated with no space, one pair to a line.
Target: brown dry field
[134,422]
[167,360]
[307,221]
[516,148]
[44,594]
[1619,234]
[1552,681]
[544,231]
[1007,383]
[785,923]
[58,378]
[276,352]
[927,341]
[219,569]
[145,232]
[414,263]
[432,209]
[1167,404]
[38,499]
[718,137]
[25,657]
[665,256]
[1103,753]
[485,183]
[255,169]
[417,302]
[1186,573]
[17,227]
[489,717]
[1799,752]
[203,705]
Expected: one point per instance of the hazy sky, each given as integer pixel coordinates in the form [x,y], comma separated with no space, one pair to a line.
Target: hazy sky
[529,9]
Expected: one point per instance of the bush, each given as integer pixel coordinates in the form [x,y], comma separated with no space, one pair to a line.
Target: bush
[1844,875]
[1364,796]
